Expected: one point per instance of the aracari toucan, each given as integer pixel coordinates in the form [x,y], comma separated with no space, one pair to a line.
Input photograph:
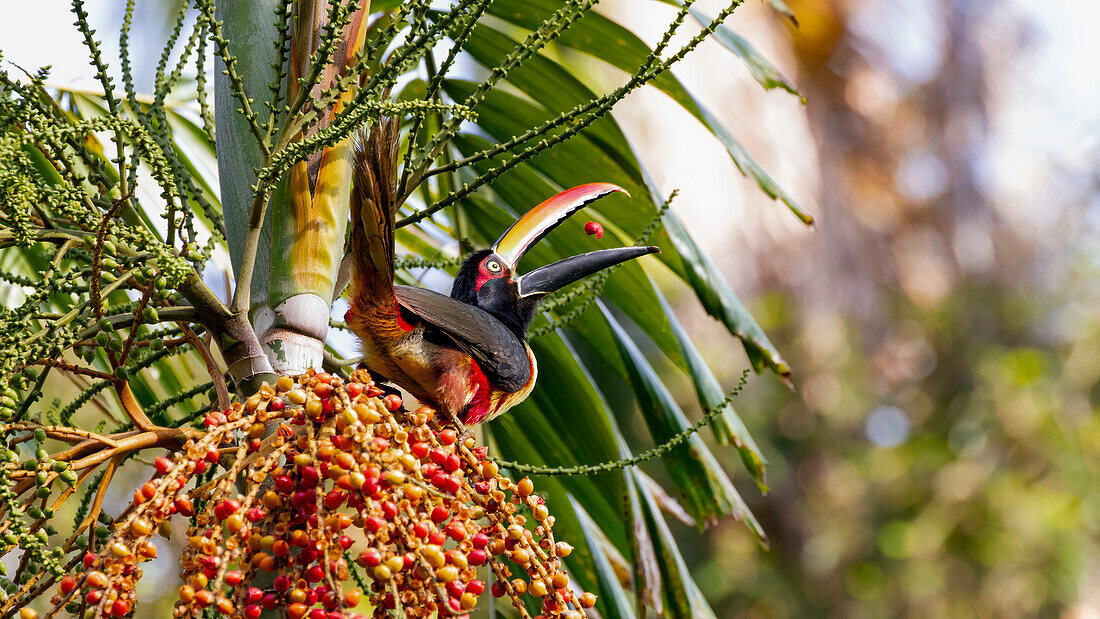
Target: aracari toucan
[466,354]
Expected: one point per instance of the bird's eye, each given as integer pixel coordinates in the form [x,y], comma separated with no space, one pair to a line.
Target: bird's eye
[492,266]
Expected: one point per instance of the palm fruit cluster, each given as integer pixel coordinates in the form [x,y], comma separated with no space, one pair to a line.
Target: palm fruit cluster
[334,501]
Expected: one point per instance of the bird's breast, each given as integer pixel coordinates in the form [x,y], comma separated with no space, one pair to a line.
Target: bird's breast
[488,402]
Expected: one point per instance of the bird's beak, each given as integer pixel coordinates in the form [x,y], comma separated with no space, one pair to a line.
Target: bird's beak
[539,221]
[549,278]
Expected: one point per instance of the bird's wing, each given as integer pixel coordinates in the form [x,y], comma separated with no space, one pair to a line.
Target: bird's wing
[499,353]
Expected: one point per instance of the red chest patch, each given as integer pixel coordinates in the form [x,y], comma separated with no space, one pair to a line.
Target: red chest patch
[482,400]
[401,322]
[487,402]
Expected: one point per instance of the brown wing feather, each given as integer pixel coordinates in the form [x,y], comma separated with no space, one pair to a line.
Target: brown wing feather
[498,352]
[373,210]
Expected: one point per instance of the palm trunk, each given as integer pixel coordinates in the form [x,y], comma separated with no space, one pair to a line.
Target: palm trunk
[299,254]
[310,210]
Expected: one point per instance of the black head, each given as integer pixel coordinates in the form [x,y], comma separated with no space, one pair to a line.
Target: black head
[486,281]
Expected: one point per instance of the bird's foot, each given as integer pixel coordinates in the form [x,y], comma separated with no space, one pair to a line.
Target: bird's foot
[464,431]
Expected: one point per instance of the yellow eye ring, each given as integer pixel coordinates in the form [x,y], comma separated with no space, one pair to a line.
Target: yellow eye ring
[492,266]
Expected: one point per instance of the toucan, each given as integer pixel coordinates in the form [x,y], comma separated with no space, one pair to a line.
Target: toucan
[465,354]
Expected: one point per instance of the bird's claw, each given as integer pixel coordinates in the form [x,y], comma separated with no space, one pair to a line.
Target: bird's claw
[464,431]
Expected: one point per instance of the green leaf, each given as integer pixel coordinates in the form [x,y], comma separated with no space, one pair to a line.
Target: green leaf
[552,86]
[720,302]
[612,600]
[702,485]
[681,596]
[647,570]
[727,428]
[614,44]
[763,71]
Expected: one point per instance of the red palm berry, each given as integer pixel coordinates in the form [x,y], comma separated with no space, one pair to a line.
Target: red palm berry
[283,484]
[448,436]
[389,510]
[184,506]
[593,228]
[310,477]
[451,484]
[163,465]
[456,531]
[392,402]
[453,463]
[374,524]
[148,490]
[335,498]
[440,513]
[370,557]
[456,588]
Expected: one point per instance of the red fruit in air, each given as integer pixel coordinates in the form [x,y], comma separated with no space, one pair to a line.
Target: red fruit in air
[592,227]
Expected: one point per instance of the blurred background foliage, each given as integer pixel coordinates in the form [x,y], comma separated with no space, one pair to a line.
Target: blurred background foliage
[940,451]
[940,454]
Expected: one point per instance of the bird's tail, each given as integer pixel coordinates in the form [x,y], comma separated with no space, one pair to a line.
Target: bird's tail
[373,212]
